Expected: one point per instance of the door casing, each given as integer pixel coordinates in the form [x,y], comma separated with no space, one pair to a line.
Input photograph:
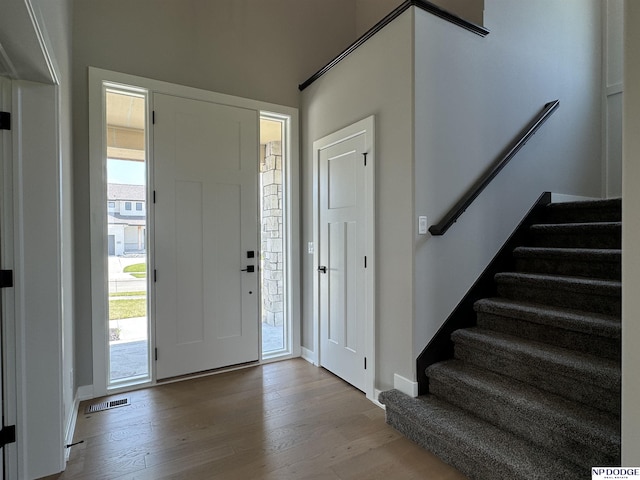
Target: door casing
[98,222]
[365,125]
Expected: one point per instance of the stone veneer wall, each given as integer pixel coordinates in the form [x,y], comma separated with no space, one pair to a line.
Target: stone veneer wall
[272,238]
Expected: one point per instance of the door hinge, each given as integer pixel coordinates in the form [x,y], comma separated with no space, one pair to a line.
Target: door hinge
[7,435]
[154,196]
[155,275]
[365,261]
[153,117]
[5,121]
[6,278]
[365,159]
[365,363]
[156,354]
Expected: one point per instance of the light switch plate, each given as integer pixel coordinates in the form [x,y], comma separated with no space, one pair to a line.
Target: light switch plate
[422,225]
[310,248]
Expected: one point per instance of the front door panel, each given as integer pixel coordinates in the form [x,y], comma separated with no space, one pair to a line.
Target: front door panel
[205,175]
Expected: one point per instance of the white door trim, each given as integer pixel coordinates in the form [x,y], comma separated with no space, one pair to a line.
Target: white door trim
[7,261]
[365,125]
[98,221]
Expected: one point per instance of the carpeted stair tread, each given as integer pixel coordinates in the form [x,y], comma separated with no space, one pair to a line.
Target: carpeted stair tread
[582,434]
[576,235]
[478,449]
[589,210]
[591,262]
[581,284]
[592,254]
[591,323]
[577,227]
[598,295]
[542,357]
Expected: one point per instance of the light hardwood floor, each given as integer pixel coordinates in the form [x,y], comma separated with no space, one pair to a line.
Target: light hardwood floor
[285,420]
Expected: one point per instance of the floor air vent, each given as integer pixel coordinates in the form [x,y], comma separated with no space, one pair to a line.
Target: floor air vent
[99,407]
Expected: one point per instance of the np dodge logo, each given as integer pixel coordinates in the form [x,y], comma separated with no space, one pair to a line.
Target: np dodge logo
[614,473]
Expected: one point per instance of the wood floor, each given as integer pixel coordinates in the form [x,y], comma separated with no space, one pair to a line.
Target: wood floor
[286,420]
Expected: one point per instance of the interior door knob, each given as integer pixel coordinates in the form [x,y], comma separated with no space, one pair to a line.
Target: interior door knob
[249,269]
[322,269]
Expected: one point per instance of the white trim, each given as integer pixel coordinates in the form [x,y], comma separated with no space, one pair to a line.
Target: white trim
[85,392]
[71,427]
[33,101]
[406,386]
[7,259]
[36,21]
[614,89]
[365,125]
[563,198]
[376,395]
[97,224]
[309,356]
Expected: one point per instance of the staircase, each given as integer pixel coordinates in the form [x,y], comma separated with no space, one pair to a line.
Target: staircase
[533,390]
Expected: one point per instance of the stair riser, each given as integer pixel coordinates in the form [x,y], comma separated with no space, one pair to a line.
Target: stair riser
[577,341]
[561,297]
[526,424]
[545,377]
[577,268]
[556,215]
[595,239]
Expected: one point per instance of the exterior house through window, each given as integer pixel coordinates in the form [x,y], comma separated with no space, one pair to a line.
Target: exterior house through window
[127,226]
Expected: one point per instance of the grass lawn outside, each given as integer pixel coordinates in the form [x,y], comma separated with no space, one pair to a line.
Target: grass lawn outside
[127,308]
[141,293]
[138,270]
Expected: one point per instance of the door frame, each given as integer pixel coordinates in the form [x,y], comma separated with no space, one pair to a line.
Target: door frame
[8,304]
[98,225]
[365,125]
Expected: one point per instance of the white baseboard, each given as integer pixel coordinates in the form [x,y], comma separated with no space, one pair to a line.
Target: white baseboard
[85,392]
[406,386]
[562,198]
[376,393]
[309,356]
[71,428]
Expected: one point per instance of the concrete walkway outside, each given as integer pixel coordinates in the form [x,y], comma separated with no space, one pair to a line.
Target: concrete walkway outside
[129,356]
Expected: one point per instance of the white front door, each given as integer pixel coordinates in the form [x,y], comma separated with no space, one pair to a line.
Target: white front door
[345,253]
[205,183]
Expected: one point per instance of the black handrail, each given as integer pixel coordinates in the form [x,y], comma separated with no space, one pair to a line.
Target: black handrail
[422,4]
[459,208]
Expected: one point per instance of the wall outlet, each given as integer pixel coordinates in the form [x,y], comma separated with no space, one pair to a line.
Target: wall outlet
[422,225]
[310,248]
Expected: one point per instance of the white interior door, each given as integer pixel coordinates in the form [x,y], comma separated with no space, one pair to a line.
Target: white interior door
[206,182]
[345,252]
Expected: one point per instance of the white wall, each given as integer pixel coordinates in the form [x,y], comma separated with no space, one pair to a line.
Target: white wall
[370,12]
[251,48]
[376,80]
[630,236]
[473,95]
[612,101]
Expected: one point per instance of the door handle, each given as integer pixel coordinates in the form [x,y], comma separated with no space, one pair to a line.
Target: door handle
[322,269]
[249,269]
